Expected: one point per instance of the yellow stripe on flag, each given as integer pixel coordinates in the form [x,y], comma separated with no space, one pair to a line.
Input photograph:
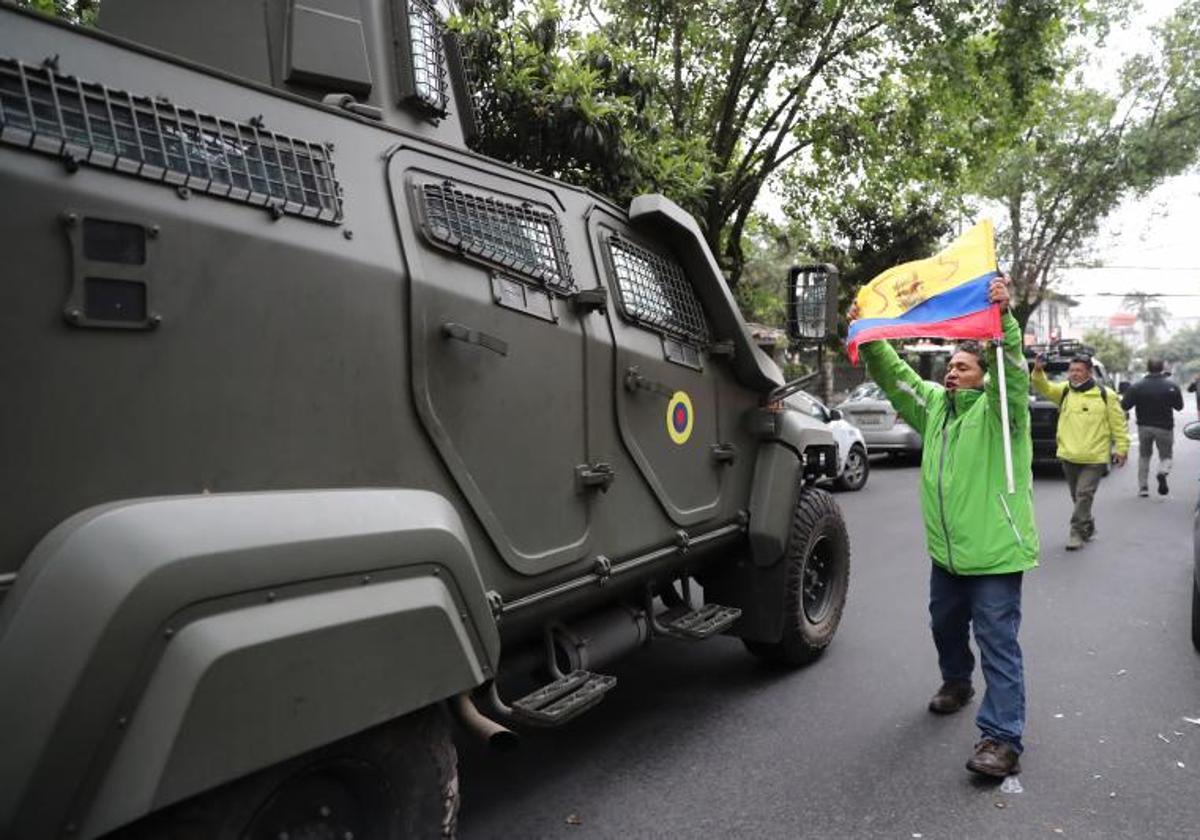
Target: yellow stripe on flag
[899,289]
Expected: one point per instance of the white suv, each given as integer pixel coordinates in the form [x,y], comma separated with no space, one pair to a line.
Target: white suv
[853,467]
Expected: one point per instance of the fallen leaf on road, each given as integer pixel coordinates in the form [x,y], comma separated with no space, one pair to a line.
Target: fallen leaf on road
[1122,672]
[1011,784]
[1097,776]
[1180,765]
[1058,715]
[1177,732]
[574,819]
[917,836]
[999,804]
[1057,830]
[1164,738]
[1112,795]
[1193,720]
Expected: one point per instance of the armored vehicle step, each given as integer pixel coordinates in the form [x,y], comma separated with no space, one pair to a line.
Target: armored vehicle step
[701,623]
[563,699]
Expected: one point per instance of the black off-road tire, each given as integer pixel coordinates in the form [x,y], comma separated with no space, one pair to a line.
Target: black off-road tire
[856,478]
[817,577]
[1196,614]
[395,781]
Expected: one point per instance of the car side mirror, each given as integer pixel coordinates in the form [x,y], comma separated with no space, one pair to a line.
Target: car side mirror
[835,414]
[1192,430]
[812,303]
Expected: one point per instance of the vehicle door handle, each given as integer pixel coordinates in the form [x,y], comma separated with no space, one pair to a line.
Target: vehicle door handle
[723,453]
[597,476]
[634,381]
[463,333]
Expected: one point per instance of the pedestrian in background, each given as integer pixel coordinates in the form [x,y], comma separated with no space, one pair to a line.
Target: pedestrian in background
[981,540]
[1192,389]
[1091,433]
[1155,399]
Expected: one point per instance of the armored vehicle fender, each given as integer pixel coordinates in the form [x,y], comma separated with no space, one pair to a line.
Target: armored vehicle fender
[248,615]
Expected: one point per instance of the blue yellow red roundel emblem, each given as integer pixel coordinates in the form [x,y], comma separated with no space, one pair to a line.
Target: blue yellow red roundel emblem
[679,417]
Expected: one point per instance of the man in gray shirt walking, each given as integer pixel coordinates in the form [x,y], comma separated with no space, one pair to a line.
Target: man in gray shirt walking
[1156,399]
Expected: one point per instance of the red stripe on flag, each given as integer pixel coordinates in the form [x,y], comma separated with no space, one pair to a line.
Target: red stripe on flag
[979,325]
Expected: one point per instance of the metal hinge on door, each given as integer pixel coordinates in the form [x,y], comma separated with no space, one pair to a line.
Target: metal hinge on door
[597,476]
[721,348]
[590,300]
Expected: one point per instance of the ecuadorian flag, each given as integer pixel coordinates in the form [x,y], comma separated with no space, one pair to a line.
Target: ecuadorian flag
[945,296]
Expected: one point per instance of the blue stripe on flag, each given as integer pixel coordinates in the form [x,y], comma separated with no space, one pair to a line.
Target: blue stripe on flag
[965,299]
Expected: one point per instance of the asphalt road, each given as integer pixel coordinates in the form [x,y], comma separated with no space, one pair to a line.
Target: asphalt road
[699,740]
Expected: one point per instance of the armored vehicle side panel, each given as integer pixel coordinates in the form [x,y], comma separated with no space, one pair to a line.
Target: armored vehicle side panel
[322,423]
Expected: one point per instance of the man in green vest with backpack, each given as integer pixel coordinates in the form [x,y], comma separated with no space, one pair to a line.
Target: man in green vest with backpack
[1091,433]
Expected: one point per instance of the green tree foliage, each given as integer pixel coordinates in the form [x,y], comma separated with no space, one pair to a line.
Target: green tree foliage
[865,239]
[937,115]
[1116,355]
[1182,350]
[883,102]
[573,105]
[76,11]
[1150,312]
[826,88]
[1085,151]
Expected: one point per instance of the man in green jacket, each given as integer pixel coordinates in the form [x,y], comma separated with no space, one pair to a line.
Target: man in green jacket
[981,539]
[1091,430]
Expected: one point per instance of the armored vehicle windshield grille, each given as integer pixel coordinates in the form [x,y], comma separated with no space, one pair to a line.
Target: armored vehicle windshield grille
[425,43]
[518,237]
[654,291]
[111,129]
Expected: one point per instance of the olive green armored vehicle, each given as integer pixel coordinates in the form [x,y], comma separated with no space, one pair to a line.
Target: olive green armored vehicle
[321,431]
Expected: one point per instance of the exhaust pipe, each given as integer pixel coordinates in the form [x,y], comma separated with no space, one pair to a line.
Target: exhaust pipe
[498,737]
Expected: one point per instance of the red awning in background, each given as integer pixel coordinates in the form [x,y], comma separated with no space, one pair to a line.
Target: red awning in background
[1119,320]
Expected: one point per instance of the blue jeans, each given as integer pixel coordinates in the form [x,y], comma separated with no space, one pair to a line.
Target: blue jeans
[993,604]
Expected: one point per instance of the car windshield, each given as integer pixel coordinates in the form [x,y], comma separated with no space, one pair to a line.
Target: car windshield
[808,404]
[866,391]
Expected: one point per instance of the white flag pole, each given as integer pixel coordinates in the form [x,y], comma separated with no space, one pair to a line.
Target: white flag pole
[1008,467]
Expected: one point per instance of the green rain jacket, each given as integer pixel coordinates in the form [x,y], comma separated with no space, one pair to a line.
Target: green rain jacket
[972,525]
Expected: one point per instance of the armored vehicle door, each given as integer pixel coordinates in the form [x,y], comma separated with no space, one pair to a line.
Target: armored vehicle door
[497,356]
[666,378]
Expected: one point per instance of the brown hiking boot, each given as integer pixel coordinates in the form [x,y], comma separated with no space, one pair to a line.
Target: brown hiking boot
[994,758]
[951,697]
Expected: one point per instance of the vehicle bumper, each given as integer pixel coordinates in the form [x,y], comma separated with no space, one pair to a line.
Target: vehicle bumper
[1045,451]
[896,439]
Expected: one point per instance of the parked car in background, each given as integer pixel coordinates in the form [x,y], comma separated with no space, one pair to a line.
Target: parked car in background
[853,466]
[883,430]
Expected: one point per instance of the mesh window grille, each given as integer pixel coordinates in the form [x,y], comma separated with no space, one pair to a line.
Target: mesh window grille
[810,306]
[425,44]
[655,292]
[518,237]
[111,129]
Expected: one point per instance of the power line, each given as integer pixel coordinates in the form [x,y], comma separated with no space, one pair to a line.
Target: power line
[1139,294]
[1086,267]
